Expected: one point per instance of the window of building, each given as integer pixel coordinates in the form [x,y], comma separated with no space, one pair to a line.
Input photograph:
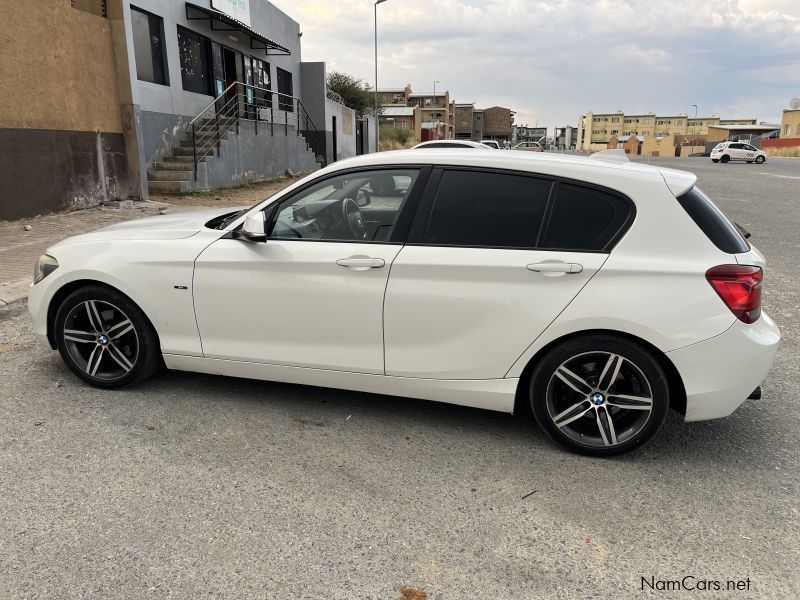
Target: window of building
[614,131]
[787,129]
[148,47]
[285,89]
[585,219]
[487,209]
[195,57]
[615,119]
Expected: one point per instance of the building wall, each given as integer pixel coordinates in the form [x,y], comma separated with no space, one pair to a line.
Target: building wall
[61,142]
[790,124]
[254,153]
[463,120]
[497,123]
[71,86]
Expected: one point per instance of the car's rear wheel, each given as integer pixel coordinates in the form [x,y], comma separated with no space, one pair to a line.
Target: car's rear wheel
[715,160]
[599,395]
[105,338]
[725,158]
[760,160]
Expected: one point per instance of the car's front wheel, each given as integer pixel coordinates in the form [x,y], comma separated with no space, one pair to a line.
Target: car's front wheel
[599,395]
[760,160]
[105,338]
[715,160]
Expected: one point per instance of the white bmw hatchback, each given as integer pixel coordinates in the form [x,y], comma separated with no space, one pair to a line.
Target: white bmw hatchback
[599,292]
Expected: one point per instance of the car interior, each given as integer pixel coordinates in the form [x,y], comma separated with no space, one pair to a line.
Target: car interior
[361,207]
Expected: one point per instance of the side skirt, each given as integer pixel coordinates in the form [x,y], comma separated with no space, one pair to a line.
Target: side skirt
[489,394]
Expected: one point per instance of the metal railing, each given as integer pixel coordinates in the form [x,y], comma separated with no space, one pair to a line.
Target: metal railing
[240,101]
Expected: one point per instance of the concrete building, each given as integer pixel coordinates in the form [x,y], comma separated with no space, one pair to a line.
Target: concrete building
[790,123]
[394,96]
[564,138]
[463,121]
[523,133]
[157,94]
[497,123]
[435,114]
[596,129]
[477,124]
[403,117]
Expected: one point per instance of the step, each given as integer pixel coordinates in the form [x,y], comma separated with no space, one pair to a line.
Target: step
[180,159]
[182,165]
[182,151]
[168,187]
[170,175]
[209,141]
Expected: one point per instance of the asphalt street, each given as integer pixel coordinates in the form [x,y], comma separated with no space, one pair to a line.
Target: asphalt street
[194,486]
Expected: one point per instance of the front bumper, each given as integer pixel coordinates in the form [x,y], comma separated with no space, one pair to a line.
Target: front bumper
[720,373]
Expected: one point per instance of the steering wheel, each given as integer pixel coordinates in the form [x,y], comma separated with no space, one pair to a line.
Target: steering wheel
[354,218]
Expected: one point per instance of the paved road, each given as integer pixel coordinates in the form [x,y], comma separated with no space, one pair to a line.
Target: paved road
[195,486]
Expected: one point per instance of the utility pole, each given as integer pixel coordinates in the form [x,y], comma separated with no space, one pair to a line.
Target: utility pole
[377,108]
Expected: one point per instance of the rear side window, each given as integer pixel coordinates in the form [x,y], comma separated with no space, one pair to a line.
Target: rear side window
[713,222]
[487,209]
[585,219]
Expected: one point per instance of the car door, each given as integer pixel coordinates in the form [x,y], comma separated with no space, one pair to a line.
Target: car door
[737,151]
[750,152]
[312,294]
[492,259]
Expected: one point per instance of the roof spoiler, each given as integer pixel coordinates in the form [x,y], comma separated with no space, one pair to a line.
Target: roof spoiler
[612,156]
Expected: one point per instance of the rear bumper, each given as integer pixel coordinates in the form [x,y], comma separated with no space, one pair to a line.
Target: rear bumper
[720,373]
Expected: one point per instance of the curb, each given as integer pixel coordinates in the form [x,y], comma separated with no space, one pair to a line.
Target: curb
[13,291]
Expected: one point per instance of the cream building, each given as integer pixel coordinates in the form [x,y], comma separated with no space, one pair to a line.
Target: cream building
[595,130]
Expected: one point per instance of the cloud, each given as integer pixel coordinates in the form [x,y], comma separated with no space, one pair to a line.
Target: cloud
[551,60]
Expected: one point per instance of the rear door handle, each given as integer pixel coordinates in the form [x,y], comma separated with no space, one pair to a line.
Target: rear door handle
[361,263]
[555,267]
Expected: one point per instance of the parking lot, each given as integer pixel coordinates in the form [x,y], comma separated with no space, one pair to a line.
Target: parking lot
[195,486]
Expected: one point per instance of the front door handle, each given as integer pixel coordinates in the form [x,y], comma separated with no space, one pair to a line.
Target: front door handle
[555,267]
[361,263]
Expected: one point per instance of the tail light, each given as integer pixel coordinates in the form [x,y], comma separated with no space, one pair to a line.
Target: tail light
[739,286]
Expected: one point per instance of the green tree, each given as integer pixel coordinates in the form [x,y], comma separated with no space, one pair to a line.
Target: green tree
[355,93]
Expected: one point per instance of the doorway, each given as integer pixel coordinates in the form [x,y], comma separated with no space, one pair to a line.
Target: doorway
[334,139]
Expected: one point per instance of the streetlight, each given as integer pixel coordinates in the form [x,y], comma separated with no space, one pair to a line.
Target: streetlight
[377,122]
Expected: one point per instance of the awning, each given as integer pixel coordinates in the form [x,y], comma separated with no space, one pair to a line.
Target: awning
[219,21]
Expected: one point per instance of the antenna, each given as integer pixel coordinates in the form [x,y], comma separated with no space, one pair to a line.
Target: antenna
[794,103]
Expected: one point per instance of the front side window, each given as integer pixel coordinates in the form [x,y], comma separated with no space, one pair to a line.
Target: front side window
[148,47]
[195,56]
[353,207]
[584,219]
[495,210]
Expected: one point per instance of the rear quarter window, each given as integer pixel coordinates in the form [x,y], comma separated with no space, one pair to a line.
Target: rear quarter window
[713,222]
[585,219]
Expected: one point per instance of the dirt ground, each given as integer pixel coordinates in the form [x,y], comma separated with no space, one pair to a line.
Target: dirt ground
[238,196]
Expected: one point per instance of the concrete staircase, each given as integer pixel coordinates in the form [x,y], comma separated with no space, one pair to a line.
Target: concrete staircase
[174,172]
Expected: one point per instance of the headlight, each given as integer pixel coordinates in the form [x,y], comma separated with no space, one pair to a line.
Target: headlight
[44,266]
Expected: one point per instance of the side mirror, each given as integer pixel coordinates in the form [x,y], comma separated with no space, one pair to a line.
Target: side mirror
[253,229]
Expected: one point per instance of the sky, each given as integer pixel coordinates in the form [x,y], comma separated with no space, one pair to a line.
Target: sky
[553,60]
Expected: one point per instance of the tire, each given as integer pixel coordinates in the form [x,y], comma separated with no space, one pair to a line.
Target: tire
[599,395]
[715,160]
[760,160]
[106,339]
[725,158]
[749,162]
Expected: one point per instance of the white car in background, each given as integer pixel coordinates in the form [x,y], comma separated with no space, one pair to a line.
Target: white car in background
[528,147]
[493,144]
[741,151]
[485,279]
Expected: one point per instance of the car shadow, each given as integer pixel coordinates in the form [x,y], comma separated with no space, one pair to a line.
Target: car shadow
[699,443]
